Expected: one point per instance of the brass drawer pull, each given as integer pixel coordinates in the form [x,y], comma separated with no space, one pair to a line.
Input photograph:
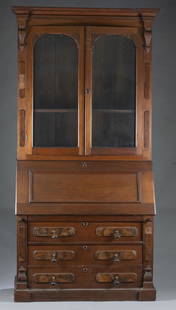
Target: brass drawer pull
[53,279]
[116,281]
[116,257]
[53,282]
[112,256]
[116,234]
[53,233]
[54,257]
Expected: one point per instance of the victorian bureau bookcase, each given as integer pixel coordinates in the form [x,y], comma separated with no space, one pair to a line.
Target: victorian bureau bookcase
[84,198]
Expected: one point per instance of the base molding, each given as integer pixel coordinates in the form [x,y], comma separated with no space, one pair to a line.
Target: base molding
[30,295]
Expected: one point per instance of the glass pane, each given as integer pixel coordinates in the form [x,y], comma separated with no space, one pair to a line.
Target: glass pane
[48,128]
[113,129]
[55,91]
[113,92]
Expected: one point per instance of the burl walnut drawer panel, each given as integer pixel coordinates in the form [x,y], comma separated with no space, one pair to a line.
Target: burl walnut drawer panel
[84,254]
[85,276]
[78,232]
[55,186]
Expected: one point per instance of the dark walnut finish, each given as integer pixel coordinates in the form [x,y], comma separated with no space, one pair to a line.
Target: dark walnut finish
[81,254]
[85,198]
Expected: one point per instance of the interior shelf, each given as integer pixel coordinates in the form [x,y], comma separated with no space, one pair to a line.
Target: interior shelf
[114,110]
[75,110]
[54,110]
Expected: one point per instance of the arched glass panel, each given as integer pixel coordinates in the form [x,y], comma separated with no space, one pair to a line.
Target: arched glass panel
[114,92]
[55,91]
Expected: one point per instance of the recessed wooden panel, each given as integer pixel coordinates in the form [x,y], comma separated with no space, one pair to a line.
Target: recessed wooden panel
[57,187]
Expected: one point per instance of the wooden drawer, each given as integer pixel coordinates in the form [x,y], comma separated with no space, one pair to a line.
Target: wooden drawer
[79,232]
[85,254]
[85,276]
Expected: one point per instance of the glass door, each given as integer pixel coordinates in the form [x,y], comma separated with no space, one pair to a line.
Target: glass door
[84,90]
[58,107]
[111,100]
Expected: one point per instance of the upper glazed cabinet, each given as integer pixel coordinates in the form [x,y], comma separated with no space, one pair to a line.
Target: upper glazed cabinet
[84,88]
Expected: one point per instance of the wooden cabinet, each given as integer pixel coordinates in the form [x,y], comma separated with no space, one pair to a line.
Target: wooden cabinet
[84,199]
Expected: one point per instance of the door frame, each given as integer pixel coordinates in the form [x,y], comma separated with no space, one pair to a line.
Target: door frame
[135,35]
[77,34]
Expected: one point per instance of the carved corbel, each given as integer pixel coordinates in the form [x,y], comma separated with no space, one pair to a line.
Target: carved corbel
[147,32]
[147,40]
[23,21]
